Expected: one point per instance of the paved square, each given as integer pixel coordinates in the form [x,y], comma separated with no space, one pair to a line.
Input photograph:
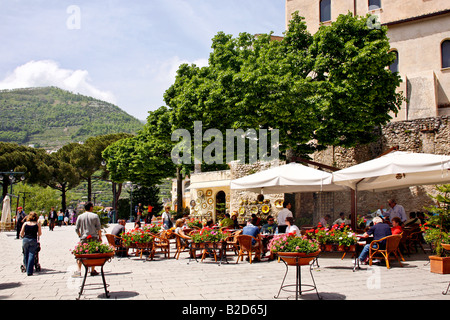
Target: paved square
[184,279]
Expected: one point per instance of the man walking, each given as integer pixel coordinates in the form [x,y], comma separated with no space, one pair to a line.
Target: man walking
[88,226]
[52,218]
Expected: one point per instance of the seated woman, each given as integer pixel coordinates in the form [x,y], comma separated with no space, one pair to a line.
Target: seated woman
[396,226]
[291,227]
[179,230]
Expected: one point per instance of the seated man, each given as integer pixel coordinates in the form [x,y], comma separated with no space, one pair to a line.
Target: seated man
[270,226]
[379,230]
[227,222]
[251,230]
[118,230]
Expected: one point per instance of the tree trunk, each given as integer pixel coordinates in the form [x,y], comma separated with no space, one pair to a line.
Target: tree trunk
[63,197]
[179,192]
[89,187]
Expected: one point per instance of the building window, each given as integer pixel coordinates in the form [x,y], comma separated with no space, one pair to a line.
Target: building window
[445,54]
[394,66]
[325,10]
[374,4]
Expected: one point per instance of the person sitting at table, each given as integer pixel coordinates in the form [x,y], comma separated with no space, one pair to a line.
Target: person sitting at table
[324,220]
[227,222]
[396,226]
[341,219]
[255,220]
[179,230]
[291,227]
[412,219]
[118,230]
[270,226]
[251,230]
[235,221]
[379,230]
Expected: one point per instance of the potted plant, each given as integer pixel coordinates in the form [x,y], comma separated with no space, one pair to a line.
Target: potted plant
[436,230]
[194,224]
[92,252]
[152,228]
[294,250]
[137,238]
[347,240]
[209,235]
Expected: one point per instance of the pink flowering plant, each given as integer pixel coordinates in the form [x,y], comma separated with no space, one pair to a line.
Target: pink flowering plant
[91,247]
[290,243]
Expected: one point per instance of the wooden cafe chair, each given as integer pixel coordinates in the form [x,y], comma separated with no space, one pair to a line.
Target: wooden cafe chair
[392,247]
[246,247]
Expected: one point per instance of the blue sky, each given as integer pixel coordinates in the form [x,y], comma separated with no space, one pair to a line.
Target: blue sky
[124,52]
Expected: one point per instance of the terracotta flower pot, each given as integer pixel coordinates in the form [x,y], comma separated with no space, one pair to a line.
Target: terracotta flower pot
[328,247]
[341,247]
[439,264]
[297,258]
[94,259]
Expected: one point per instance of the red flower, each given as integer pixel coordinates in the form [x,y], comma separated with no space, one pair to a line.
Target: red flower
[89,237]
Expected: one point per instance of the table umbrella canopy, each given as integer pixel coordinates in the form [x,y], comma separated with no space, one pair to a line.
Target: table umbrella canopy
[6,210]
[396,170]
[289,178]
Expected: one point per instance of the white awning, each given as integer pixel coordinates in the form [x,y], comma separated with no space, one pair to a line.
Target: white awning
[209,184]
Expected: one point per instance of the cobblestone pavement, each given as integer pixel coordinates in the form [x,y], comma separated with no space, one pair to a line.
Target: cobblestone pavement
[184,279]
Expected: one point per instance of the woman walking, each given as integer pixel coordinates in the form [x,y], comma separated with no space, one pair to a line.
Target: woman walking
[31,231]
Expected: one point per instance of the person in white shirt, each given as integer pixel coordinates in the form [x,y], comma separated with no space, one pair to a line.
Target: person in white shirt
[396,210]
[282,215]
[291,227]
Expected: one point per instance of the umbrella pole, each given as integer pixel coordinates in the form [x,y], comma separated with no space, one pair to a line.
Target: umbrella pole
[353,209]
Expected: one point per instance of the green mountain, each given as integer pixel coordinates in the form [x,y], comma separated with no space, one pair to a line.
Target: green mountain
[50,117]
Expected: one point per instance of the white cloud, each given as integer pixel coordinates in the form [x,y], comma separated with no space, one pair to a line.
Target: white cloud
[45,73]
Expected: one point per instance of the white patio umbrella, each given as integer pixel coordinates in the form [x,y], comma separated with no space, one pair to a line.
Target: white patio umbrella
[6,210]
[289,178]
[396,170]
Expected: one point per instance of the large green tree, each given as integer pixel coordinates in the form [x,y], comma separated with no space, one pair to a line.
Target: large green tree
[330,88]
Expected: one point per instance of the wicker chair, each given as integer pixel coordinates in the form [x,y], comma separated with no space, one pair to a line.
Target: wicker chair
[392,247]
[161,243]
[246,247]
[182,244]
[119,248]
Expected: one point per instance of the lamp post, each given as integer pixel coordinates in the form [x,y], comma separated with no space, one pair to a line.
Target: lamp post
[130,185]
[9,178]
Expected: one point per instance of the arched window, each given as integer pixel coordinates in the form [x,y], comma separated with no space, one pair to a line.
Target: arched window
[325,10]
[394,66]
[374,4]
[445,54]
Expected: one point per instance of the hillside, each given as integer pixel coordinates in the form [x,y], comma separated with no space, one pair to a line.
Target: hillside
[50,117]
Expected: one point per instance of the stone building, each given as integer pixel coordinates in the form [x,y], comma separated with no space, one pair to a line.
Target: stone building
[419,33]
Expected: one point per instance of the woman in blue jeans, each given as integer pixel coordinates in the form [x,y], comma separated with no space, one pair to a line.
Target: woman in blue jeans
[31,231]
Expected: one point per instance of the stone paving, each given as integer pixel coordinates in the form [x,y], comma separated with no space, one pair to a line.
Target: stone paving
[184,279]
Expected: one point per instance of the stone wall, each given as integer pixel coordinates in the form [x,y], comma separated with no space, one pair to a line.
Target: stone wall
[427,135]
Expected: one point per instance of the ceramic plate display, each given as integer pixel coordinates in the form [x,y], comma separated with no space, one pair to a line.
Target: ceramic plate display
[241,211]
[192,203]
[210,200]
[279,203]
[199,193]
[197,207]
[209,213]
[204,205]
[254,209]
[208,193]
[265,208]
[198,200]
